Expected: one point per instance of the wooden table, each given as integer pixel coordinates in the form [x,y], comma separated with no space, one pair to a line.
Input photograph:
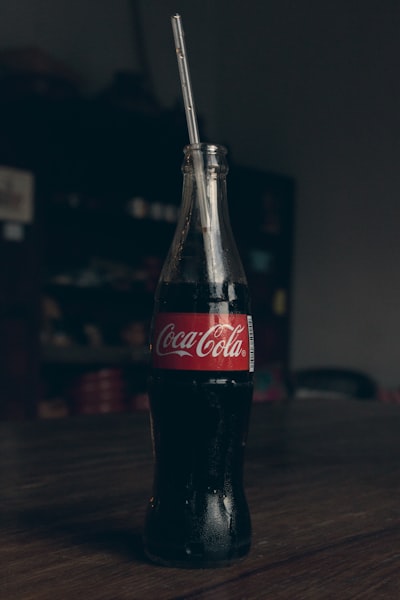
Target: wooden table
[323,482]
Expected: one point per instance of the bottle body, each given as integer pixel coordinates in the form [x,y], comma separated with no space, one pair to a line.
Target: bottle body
[198,515]
[200,392]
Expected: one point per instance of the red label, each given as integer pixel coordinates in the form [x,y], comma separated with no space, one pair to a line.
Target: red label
[203,342]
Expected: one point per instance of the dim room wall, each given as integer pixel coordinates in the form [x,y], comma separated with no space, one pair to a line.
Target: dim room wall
[306,89]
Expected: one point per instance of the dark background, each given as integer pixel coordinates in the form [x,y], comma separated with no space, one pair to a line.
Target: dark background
[310,90]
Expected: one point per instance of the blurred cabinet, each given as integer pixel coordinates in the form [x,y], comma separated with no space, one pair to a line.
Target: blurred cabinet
[77,290]
[19,323]
[263,216]
[77,286]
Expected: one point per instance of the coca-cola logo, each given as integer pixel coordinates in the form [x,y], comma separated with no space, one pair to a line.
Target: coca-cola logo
[212,342]
[198,341]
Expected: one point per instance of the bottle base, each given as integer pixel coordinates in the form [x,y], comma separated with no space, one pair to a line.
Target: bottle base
[189,559]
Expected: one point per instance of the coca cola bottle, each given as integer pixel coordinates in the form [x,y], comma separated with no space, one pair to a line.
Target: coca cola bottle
[200,386]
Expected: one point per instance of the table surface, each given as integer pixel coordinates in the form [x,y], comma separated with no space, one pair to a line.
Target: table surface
[323,484]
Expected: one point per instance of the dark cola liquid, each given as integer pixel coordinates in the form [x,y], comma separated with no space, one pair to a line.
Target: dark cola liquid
[198,515]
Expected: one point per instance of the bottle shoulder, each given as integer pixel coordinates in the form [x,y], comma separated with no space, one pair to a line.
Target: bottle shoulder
[202,297]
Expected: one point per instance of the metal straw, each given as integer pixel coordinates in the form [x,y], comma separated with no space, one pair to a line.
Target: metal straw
[183,66]
[212,243]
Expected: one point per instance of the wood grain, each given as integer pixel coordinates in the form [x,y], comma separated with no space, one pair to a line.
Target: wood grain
[323,482]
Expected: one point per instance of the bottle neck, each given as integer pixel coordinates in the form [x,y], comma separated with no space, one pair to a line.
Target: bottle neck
[205,171]
[203,249]
[211,158]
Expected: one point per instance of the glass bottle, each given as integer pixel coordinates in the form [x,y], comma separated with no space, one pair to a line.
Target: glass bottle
[201,381]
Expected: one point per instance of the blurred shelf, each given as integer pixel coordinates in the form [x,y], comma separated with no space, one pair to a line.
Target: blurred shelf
[103,292]
[92,355]
[105,234]
[64,216]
